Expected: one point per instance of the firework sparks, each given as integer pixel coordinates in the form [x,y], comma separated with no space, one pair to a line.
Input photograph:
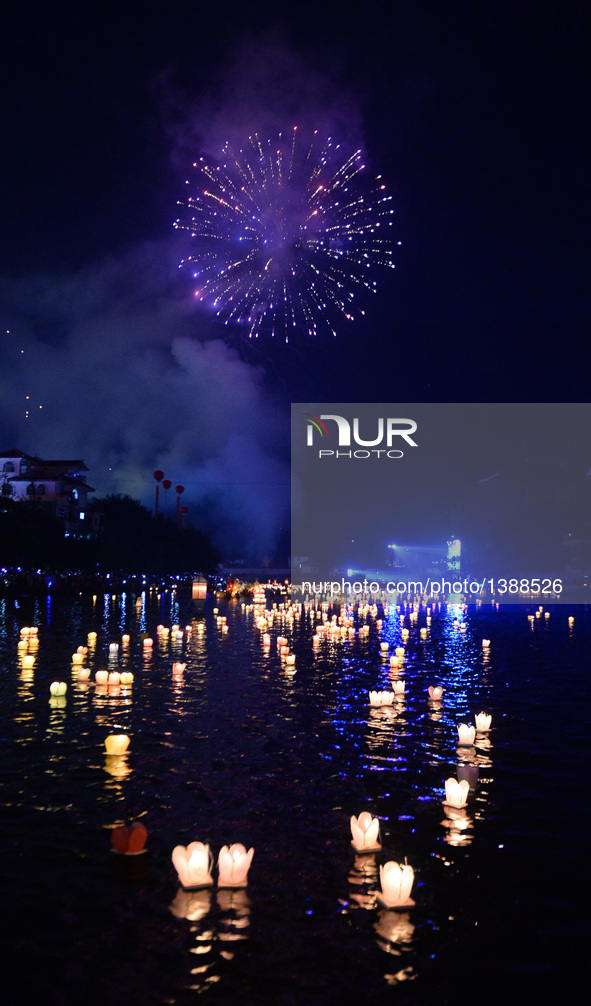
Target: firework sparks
[287,235]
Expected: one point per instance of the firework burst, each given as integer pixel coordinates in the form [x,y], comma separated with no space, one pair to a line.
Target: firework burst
[286,235]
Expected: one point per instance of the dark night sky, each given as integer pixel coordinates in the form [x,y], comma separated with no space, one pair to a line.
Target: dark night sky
[477,116]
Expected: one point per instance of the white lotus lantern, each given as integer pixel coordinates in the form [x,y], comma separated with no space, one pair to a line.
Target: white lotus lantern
[456,793]
[113,649]
[377,699]
[58,688]
[384,647]
[483,722]
[485,644]
[398,687]
[114,678]
[290,659]
[394,662]
[233,865]
[435,692]
[101,677]
[396,881]
[466,734]
[116,744]
[193,864]
[365,831]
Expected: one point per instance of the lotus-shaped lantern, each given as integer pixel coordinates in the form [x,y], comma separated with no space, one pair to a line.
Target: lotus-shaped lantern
[456,793]
[84,674]
[466,734]
[233,865]
[126,678]
[77,658]
[101,677]
[398,687]
[125,639]
[116,744]
[365,831]
[485,644]
[114,678]
[58,688]
[435,692]
[483,722]
[193,864]
[381,699]
[396,881]
[129,840]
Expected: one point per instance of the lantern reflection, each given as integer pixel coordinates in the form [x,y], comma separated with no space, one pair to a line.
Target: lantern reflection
[392,929]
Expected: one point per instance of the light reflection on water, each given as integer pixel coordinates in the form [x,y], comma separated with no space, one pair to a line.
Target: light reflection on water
[231,747]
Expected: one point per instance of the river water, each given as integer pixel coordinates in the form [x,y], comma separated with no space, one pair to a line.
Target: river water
[233,748]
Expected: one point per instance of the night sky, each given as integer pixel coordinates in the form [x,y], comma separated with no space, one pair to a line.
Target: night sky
[475,114]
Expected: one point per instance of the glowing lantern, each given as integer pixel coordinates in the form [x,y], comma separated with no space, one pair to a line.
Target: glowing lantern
[466,734]
[116,744]
[193,864]
[129,841]
[77,658]
[28,660]
[290,659]
[485,644]
[101,677]
[233,865]
[178,668]
[113,648]
[571,620]
[435,692]
[398,687]
[58,687]
[114,678]
[84,674]
[148,643]
[456,793]
[384,648]
[483,722]
[125,639]
[400,652]
[365,831]
[377,699]
[126,678]
[91,637]
[396,881]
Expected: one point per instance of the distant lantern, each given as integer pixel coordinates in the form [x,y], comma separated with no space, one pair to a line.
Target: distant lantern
[199,592]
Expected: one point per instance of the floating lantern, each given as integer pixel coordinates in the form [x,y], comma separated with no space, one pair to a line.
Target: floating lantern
[193,864]
[377,699]
[126,678]
[462,627]
[400,652]
[469,773]
[466,734]
[177,667]
[125,639]
[423,633]
[365,831]
[114,678]
[290,659]
[384,648]
[571,620]
[101,677]
[456,793]
[84,674]
[396,881]
[82,649]
[233,865]
[148,643]
[91,637]
[116,744]
[22,644]
[129,841]
[483,722]
[28,660]
[435,692]
[398,687]
[58,688]
[485,644]
[113,648]
[77,658]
